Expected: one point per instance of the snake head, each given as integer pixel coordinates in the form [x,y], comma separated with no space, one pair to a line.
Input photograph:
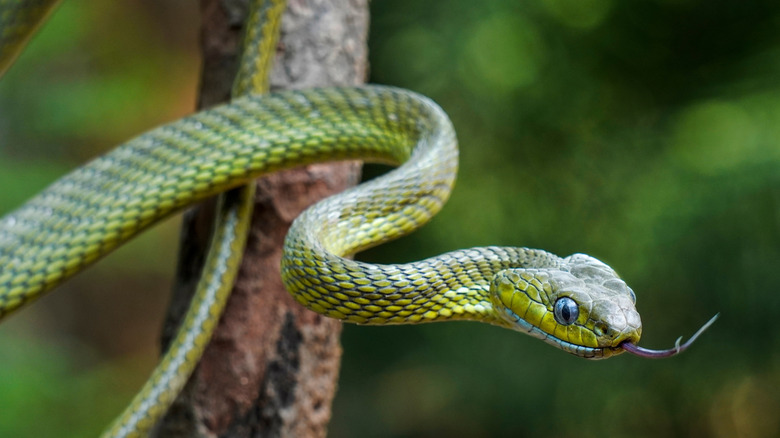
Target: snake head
[581,306]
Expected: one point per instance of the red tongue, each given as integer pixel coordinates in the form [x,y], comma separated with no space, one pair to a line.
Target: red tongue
[658,354]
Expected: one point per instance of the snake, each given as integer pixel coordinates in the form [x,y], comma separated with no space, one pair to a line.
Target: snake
[575,303]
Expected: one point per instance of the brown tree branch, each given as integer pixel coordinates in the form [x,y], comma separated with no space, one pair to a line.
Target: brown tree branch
[271,367]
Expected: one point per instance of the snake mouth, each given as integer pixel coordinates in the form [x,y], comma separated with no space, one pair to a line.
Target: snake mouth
[590,353]
[513,321]
[678,348]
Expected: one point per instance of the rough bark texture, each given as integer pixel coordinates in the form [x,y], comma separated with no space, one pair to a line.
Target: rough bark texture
[271,368]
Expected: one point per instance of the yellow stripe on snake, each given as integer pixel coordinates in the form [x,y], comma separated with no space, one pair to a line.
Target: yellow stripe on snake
[576,303]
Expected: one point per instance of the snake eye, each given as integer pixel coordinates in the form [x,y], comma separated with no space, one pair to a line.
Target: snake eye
[565,311]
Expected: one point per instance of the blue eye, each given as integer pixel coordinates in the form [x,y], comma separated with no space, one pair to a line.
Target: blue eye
[565,311]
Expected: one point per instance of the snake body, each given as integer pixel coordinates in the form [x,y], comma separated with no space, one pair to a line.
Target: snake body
[576,303]
[106,202]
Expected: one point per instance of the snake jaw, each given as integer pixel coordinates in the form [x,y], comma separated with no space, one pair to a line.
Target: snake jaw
[515,322]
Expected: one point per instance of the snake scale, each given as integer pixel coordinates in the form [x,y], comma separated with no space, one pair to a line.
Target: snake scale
[575,303]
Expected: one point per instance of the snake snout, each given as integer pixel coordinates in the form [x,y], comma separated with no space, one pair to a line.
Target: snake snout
[614,335]
[617,321]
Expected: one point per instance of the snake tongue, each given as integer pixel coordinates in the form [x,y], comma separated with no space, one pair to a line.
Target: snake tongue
[658,354]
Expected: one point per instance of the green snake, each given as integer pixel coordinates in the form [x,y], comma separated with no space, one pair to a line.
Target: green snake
[575,303]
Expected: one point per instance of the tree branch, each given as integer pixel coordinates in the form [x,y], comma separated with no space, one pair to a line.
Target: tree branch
[272,366]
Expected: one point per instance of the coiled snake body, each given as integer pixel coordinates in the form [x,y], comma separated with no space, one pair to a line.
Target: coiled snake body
[576,303]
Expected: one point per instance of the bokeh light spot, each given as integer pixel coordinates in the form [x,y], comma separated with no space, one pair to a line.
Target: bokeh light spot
[424,51]
[501,55]
[714,137]
[580,14]
[745,408]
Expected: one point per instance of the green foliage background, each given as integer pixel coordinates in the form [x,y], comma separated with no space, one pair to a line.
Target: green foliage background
[645,133]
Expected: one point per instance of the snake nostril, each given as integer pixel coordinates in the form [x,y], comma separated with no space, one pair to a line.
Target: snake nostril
[611,334]
[600,329]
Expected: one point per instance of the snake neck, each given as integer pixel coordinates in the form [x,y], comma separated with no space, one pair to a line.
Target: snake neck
[451,286]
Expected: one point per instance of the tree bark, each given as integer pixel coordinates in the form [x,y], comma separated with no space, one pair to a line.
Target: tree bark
[272,366]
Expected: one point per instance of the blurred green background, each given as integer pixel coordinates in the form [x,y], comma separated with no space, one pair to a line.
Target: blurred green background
[645,133]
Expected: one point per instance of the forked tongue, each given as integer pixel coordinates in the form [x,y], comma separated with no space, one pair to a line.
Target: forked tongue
[658,354]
